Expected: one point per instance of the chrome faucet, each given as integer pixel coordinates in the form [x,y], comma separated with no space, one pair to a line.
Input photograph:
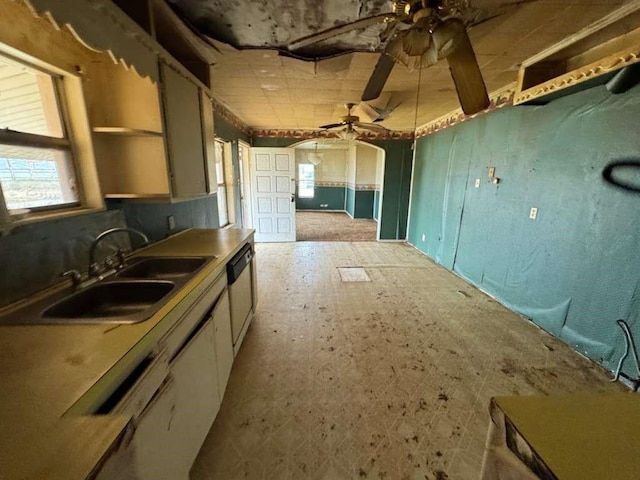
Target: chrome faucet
[94,269]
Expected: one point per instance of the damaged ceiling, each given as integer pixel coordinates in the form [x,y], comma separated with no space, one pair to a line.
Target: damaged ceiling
[269,87]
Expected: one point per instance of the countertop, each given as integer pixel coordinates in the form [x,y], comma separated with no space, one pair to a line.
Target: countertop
[46,370]
[580,437]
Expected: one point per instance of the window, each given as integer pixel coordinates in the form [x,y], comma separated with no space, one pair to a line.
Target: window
[36,166]
[223,212]
[306,180]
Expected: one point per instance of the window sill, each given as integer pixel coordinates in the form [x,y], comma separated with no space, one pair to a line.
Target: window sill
[38,217]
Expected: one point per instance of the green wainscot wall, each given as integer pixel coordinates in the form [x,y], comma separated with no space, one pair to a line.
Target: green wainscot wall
[324,198]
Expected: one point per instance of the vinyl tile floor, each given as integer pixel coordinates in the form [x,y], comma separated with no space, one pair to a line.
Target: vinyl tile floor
[389,378]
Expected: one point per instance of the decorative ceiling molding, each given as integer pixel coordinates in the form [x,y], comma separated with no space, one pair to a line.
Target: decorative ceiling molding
[499,99]
[311,134]
[231,118]
[96,23]
[595,69]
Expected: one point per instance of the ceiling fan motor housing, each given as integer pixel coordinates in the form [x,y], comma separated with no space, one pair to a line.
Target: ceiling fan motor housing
[350,119]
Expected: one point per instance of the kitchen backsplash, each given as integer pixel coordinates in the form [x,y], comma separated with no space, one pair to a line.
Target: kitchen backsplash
[32,257]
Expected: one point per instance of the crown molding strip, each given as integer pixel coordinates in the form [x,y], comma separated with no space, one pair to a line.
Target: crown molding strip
[231,117]
[499,99]
[311,134]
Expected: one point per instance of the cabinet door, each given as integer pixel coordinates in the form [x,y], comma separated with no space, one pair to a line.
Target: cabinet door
[209,139]
[183,127]
[224,341]
[154,442]
[198,396]
[241,300]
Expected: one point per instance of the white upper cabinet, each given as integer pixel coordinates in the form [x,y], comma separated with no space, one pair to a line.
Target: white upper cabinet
[151,140]
[184,133]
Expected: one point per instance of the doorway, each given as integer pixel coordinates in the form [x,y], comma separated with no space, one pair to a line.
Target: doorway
[339,187]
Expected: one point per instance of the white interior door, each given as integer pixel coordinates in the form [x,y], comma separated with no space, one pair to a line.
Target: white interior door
[273,194]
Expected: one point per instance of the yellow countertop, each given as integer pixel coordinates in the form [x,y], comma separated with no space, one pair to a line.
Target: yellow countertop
[45,371]
[580,437]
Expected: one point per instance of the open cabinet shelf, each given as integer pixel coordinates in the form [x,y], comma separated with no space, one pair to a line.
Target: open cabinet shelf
[134,132]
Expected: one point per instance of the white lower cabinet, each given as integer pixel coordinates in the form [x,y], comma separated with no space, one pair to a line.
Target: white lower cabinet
[169,430]
[223,341]
[154,442]
[198,398]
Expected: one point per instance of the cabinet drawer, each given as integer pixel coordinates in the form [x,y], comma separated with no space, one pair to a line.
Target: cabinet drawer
[173,340]
[135,392]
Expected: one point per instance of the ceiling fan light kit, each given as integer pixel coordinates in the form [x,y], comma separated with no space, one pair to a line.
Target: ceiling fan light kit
[348,134]
[350,122]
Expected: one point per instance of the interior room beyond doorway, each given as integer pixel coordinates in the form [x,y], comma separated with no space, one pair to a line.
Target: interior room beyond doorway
[338,190]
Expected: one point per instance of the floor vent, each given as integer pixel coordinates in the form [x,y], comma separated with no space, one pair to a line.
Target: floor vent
[353,274]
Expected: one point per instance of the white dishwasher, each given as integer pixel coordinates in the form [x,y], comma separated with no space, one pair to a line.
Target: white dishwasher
[239,278]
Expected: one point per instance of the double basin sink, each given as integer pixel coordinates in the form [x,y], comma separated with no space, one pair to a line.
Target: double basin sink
[130,295]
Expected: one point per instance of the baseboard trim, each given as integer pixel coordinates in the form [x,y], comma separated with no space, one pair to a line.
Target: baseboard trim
[321,210]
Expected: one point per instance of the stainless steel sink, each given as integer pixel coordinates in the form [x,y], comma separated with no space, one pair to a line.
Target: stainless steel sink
[163,268]
[110,302]
[131,295]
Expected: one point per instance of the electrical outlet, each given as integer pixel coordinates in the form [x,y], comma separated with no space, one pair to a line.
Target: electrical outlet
[533,213]
[477,183]
[492,172]
[423,237]
[171,222]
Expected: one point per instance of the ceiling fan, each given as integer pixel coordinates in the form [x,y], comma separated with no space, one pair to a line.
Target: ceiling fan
[419,33]
[350,121]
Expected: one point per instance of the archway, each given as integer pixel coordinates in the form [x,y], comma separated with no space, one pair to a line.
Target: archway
[344,178]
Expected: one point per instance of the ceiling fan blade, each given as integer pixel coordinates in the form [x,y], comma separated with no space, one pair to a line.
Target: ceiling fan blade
[340,29]
[378,78]
[467,77]
[370,126]
[332,125]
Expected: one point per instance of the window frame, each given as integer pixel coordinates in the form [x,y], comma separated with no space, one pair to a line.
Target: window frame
[221,179]
[76,142]
[313,187]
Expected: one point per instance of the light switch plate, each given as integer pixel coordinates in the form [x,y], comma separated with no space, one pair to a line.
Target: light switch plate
[533,213]
[171,222]
[423,237]
[477,183]
[492,172]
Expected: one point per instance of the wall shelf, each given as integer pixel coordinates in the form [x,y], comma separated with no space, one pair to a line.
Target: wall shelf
[598,50]
[133,132]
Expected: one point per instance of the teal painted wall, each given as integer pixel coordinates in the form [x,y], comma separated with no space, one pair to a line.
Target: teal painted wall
[576,268]
[396,188]
[333,197]
[151,218]
[350,202]
[227,131]
[363,204]
[376,203]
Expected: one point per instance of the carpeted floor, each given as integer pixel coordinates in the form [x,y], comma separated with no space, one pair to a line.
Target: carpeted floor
[333,227]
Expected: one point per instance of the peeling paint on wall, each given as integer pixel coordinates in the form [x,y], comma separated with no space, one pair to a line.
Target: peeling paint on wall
[575,268]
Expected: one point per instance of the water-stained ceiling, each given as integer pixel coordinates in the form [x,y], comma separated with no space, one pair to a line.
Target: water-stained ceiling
[269,87]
